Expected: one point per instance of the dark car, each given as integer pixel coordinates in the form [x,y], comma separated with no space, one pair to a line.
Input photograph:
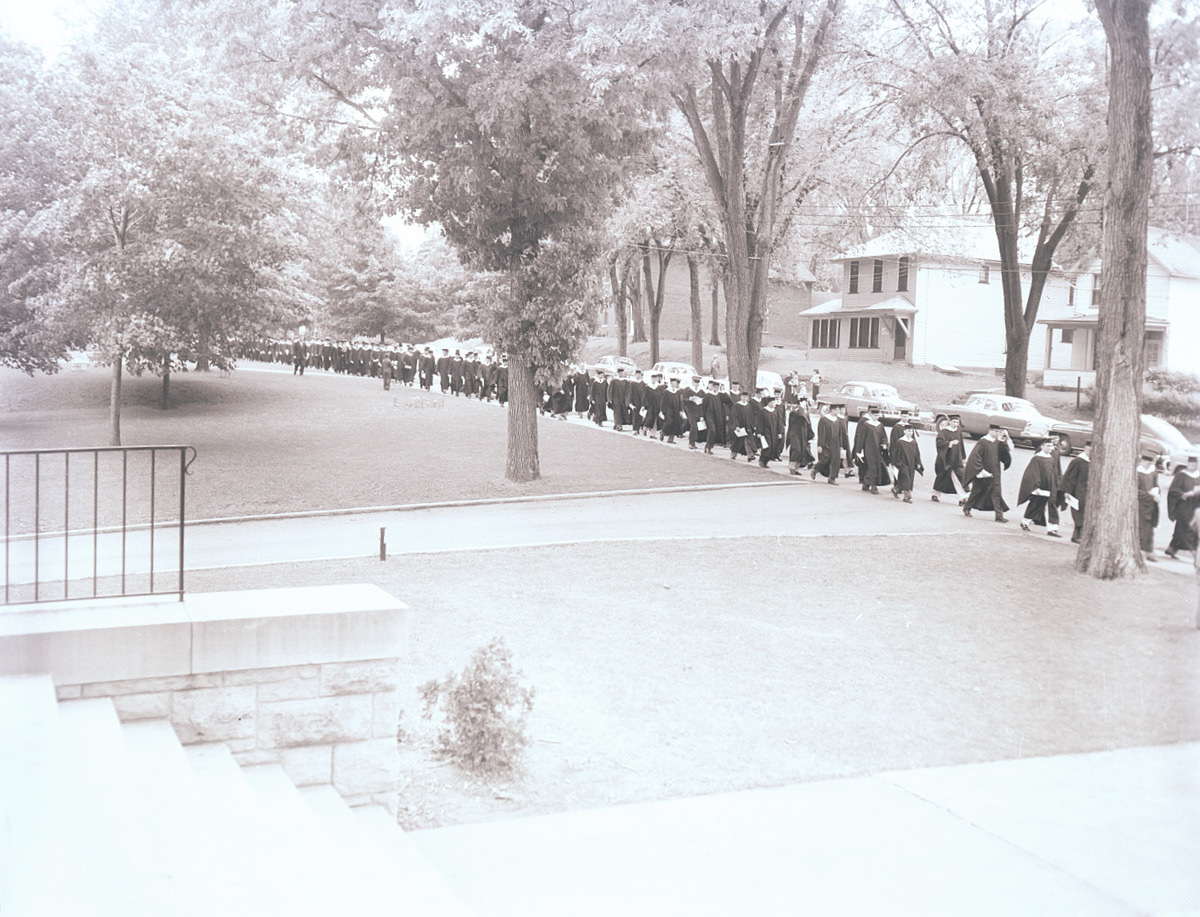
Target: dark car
[1157,436]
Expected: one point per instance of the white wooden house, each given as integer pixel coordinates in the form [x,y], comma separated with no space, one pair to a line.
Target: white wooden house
[929,294]
[1172,314]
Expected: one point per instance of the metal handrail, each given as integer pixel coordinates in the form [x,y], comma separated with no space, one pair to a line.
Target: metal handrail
[187,455]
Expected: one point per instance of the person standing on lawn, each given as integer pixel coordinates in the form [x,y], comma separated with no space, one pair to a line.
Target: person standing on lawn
[906,456]
[1074,488]
[1041,489]
[814,383]
[443,370]
[799,435]
[386,370]
[1183,499]
[987,461]
[1147,492]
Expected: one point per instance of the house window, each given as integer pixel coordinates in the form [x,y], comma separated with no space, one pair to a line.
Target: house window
[853,276]
[984,273]
[864,334]
[1153,348]
[826,333]
[902,276]
[1068,335]
[877,279]
[1095,290]
[1071,295]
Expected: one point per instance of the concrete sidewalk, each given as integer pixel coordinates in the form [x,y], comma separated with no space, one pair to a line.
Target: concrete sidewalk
[1092,834]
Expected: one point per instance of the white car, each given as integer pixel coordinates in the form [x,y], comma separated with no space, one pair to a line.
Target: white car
[681,371]
[772,382]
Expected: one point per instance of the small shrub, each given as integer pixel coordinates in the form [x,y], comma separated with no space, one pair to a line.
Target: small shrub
[484,710]
[1166,380]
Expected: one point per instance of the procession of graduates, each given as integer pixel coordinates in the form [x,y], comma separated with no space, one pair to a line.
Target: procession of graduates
[473,374]
[764,425]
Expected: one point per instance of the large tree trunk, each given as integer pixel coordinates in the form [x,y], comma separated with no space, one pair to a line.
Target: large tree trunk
[523,464]
[618,280]
[166,390]
[714,337]
[635,302]
[1109,547]
[693,263]
[114,404]
[655,293]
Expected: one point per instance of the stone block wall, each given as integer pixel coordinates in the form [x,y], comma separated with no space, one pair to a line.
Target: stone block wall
[306,678]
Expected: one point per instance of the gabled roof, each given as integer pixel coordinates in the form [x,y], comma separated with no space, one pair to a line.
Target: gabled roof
[955,238]
[1178,253]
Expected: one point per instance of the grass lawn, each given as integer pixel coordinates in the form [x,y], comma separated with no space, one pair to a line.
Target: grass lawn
[269,442]
[684,669]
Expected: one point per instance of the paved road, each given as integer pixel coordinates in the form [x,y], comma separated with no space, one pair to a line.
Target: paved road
[782,505]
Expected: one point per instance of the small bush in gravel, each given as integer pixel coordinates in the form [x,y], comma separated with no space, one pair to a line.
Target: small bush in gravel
[484,710]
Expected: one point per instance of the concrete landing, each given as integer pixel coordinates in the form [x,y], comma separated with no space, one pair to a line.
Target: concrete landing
[1093,834]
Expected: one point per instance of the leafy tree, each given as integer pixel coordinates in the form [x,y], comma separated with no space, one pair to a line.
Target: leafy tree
[170,232]
[505,123]
[1109,547]
[1024,109]
[32,142]
[742,102]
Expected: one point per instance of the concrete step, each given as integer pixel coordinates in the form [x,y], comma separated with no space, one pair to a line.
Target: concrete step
[427,891]
[40,852]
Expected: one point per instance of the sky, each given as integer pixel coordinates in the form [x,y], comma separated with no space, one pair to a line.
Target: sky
[45,23]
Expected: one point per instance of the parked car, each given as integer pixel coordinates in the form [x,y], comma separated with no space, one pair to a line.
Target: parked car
[1164,440]
[768,380]
[610,363]
[681,371]
[858,396]
[1022,419]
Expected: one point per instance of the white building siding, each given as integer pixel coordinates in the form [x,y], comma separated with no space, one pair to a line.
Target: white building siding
[1183,334]
[960,321]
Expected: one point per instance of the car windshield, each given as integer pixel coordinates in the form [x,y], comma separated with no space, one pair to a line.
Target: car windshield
[1164,431]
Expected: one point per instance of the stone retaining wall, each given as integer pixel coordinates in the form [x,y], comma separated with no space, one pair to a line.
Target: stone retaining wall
[306,678]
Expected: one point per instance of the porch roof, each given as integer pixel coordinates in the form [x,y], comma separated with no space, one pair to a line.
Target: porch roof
[1092,320]
[893,305]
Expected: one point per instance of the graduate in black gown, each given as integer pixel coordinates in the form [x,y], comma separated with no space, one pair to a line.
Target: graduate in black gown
[670,412]
[1183,498]
[871,451]
[985,465]
[906,457]
[1041,489]
[799,436]
[742,434]
[951,457]
[1147,502]
[714,417]
[1074,488]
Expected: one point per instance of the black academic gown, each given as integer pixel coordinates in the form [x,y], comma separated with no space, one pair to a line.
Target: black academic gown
[1183,496]
[949,462]
[906,456]
[1075,483]
[991,457]
[670,407]
[871,454]
[799,435]
[1041,486]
